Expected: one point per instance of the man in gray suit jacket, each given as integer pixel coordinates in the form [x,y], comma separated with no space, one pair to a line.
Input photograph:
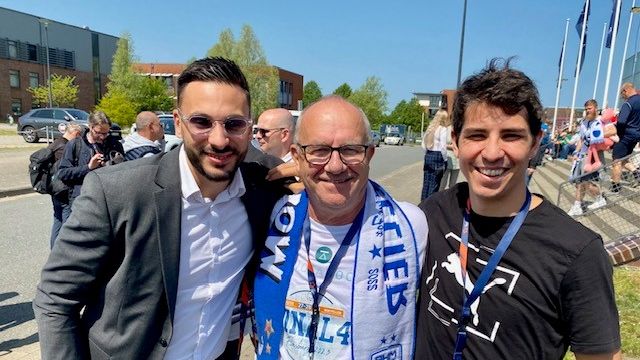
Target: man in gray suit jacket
[151,260]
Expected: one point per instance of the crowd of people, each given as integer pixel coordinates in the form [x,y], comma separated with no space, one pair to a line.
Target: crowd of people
[168,256]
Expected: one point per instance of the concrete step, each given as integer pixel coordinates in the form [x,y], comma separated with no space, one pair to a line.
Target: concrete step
[618,218]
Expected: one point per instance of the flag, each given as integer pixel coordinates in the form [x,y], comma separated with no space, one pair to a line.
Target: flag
[581,19]
[607,44]
[560,59]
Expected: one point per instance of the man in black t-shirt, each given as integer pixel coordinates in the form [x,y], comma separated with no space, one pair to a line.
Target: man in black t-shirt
[551,288]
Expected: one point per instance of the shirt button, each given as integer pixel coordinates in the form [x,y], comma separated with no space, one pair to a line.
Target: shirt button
[163,343]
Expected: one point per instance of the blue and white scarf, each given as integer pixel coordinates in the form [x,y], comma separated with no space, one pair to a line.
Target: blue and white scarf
[384,285]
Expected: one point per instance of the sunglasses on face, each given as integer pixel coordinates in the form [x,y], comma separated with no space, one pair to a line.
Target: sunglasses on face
[265,132]
[233,125]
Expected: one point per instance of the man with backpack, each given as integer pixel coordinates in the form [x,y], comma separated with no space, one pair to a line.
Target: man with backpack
[93,150]
[42,168]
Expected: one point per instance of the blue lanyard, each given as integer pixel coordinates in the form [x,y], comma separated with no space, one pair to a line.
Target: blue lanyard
[333,266]
[486,273]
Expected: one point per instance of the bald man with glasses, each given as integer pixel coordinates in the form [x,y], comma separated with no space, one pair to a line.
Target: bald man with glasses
[339,272]
[274,133]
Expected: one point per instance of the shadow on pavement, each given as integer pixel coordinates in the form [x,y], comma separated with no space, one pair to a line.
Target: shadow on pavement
[7,346]
[12,315]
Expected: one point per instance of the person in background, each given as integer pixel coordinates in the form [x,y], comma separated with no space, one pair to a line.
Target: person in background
[434,142]
[484,296]
[628,130]
[452,171]
[587,181]
[60,201]
[145,140]
[94,149]
[274,133]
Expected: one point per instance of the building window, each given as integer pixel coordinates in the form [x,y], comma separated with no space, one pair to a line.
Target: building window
[34,80]
[16,107]
[14,78]
[13,49]
[32,52]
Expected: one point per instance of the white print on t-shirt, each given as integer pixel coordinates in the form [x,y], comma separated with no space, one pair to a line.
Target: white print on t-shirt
[486,329]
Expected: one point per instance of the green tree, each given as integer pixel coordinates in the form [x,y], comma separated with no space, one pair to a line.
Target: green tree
[408,113]
[123,78]
[225,47]
[343,90]
[248,54]
[64,93]
[310,93]
[372,99]
[152,95]
[119,107]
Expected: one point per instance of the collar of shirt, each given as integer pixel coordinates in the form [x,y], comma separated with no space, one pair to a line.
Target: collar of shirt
[287,157]
[190,190]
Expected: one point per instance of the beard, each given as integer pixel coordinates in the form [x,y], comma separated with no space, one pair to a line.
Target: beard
[194,157]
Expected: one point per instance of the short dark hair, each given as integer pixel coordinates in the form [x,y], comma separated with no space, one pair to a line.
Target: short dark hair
[214,69]
[591,102]
[500,86]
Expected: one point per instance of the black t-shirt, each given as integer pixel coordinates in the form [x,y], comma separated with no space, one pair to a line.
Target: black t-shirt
[553,287]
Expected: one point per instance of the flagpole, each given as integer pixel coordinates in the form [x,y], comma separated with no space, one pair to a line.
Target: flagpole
[595,86]
[555,111]
[577,80]
[605,103]
[624,54]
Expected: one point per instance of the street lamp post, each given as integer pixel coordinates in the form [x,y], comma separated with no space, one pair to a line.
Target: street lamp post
[45,22]
[464,20]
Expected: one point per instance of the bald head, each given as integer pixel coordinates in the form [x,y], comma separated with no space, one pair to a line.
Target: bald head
[329,105]
[275,131]
[148,126]
[627,90]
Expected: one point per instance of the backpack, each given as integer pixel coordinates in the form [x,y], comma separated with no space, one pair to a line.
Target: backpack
[42,169]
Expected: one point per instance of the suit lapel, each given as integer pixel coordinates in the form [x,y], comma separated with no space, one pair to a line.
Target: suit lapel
[168,211]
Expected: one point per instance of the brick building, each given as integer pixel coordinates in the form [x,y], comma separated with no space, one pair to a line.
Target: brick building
[72,50]
[288,96]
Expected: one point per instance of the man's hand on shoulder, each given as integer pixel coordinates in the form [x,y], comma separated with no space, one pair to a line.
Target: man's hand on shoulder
[285,170]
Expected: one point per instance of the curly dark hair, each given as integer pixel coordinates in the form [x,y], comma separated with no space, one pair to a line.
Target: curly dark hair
[214,69]
[501,86]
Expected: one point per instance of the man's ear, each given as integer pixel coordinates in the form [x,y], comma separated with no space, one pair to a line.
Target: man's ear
[176,123]
[454,143]
[536,144]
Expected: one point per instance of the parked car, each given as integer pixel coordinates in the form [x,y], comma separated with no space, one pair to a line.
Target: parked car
[375,138]
[37,123]
[394,139]
[171,141]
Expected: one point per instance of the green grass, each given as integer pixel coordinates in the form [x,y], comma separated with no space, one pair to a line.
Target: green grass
[626,280]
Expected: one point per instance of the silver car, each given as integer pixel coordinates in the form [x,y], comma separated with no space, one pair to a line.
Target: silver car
[48,122]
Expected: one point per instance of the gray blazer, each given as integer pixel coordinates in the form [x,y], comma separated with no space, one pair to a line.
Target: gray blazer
[117,257]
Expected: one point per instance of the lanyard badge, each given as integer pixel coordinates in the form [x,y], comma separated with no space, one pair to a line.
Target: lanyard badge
[486,273]
[318,292]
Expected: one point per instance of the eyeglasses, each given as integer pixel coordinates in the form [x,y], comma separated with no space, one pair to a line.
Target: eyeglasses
[105,133]
[320,154]
[264,132]
[202,125]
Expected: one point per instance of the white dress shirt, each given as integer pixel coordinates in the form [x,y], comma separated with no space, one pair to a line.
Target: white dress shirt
[215,246]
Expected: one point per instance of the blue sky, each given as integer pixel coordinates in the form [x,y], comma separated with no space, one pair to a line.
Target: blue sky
[412,46]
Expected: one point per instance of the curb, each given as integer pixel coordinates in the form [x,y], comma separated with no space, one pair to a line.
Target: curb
[15,191]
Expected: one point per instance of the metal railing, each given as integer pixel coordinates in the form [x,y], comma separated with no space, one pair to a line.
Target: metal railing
[620,216]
